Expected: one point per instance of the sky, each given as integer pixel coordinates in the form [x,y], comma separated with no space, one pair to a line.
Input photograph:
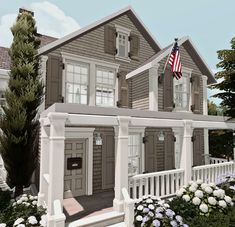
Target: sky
[209,23]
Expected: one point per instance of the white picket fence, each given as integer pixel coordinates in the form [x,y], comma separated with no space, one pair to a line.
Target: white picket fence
[211,173]
[160,184]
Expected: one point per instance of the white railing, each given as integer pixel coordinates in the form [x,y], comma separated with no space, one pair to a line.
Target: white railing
[129,206]
[160,184]
[217,160]
[210,173]
[58,219]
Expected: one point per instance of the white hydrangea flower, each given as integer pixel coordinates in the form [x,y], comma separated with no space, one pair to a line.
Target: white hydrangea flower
[194,184]
[18,221]
[227,199]
[21,225]
[32,220]
[204,185]
[203,207]
[216,193]
[31,197]
[180,192]
[151,206]
[222,203]
[166,205]
[138,218]
[186,198]
[213,185]
[34,202]
[199,181]
[196,201]
[199,194]
[140,207]
[221,193]
[212,201]
[192,189]
[145,197]
[190,182]
[3,225]
[19,201]
[208,190]
[232,204]
[43,221]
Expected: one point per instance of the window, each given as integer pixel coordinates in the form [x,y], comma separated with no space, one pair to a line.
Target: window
[182,92]
[134,148]
[105,87]
[2,100]
[76,83]
[122,42]
[122,45]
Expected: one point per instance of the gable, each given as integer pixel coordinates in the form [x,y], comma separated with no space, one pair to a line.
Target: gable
[91,44]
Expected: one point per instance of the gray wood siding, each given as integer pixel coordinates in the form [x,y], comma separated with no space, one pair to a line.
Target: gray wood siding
[139,91]
[186,61]
[91,45]
[157,163]
[97,159]
[198,147]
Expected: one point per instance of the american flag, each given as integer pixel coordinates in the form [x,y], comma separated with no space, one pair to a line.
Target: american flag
[174,61]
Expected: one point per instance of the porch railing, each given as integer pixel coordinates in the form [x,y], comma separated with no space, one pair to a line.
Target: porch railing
[160,184]
[211,173]
[129,206]
[217,160]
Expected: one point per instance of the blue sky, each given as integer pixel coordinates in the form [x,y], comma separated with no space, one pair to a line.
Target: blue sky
[209,23]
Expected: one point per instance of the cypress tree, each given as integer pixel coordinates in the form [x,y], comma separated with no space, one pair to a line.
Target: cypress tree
[19,123]
[227,85]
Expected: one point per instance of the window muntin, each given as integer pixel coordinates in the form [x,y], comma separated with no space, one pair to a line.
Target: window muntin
[134,154]
[122,45]
[105,87]
[182,92]
[76,83]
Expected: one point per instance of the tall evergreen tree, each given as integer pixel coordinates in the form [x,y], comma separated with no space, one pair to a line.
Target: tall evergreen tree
[227,85]
[19,123]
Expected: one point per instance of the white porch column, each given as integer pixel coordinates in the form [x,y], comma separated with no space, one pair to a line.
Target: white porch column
[187,151]
[44,163]
[43,69]
[121,162]
[56,162]
[153,88]
[206,146]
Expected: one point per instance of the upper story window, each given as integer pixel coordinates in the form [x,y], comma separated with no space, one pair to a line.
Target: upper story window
[122,43]
[76,83]
[105,86]
[182,92]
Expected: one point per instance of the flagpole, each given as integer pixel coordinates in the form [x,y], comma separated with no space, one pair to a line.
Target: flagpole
[164,69]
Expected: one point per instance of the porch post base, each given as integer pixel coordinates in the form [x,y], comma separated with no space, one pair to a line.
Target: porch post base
[41,197]
[118,205]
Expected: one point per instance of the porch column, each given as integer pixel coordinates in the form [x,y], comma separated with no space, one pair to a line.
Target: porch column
[56,163]
[206,146]
[187,151]
[44,164]
[121,162]
[153,88]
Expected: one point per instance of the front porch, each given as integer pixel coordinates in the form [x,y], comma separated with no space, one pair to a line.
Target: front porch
[53,128]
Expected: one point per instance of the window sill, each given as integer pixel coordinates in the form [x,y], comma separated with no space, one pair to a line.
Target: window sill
[123,59]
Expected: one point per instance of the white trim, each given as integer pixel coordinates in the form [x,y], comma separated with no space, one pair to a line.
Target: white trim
[84,133]
[3,73]
[204,87]
[123,29]
[153,88]
[93,25]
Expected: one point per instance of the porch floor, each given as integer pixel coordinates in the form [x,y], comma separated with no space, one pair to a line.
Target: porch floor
[87,206]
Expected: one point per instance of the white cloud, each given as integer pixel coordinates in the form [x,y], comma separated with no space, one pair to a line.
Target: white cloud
[51,20]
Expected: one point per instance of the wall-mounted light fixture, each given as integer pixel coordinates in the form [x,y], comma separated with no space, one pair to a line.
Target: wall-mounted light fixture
[98,139]
[161,136]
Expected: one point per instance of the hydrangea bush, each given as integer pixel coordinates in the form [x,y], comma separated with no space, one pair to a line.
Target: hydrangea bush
[24,212]
[207,197]
[150,211]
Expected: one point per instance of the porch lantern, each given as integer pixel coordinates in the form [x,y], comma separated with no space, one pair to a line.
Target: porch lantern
[161,136]
[98,139]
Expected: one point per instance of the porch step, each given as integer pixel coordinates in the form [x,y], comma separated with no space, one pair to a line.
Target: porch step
[121,224]
[102,220]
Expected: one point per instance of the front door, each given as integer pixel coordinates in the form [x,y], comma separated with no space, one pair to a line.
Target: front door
[75,167]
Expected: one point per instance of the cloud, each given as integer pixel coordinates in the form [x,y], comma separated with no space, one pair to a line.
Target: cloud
[51,20]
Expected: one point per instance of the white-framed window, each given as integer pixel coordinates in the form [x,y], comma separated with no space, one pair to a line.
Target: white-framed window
[134,154]
[76,82]
[182,92]
[105,86]
[2,100]
[122,42]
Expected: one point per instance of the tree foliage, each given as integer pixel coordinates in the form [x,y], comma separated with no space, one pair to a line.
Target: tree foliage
[19,122]
[227,76]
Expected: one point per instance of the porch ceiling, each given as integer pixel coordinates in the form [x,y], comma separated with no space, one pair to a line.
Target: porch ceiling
[105,116]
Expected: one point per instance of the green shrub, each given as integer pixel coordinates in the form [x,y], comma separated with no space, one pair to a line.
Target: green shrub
[5,198]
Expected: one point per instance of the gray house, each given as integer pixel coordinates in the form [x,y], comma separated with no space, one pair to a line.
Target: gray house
[116,64]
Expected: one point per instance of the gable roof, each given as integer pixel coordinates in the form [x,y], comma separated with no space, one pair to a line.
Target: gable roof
[155,45]
[5,60]
[193,52]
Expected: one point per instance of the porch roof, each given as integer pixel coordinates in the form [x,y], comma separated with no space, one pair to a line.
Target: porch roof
[107,116]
